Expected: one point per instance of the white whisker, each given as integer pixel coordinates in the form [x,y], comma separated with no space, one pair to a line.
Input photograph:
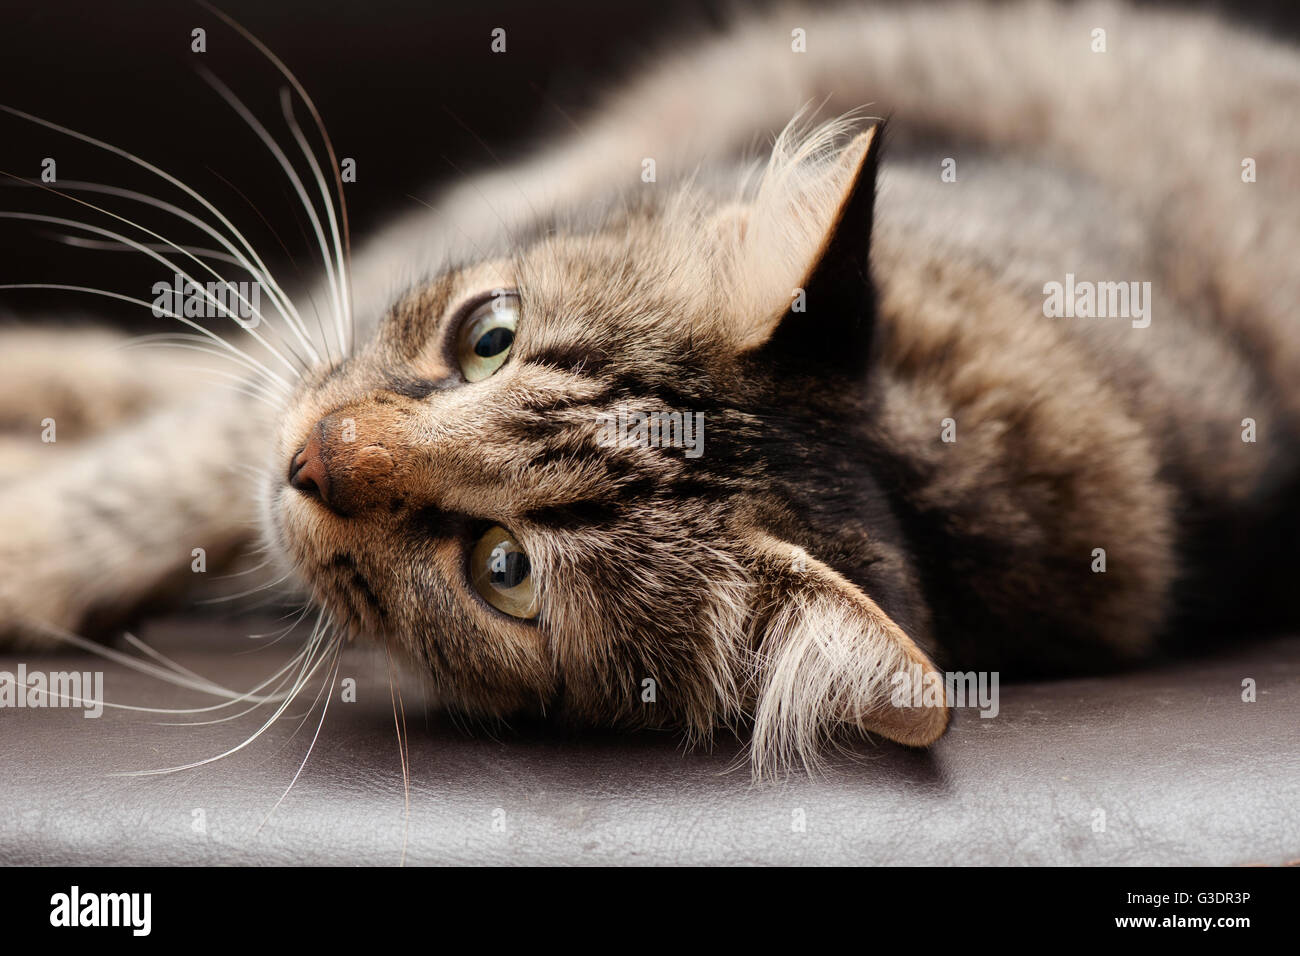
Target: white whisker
[105,245]
[251,591]
[149,305]
[256,126]
[197,343]
[279,299]
[298,88]
[144,667]
[236,383]
[310,665]
[284,676]
[286,104]
[158,257]
[403,748]
[239,384]
[144,164]
[312,746]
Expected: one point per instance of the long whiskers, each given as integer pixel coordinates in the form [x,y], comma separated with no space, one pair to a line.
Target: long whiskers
[234,350]
[298,88]
[208,295]
[188,342]
[345,297]
[251,591]
[163,673]
[334,674]
[334,279]
[107,245]
[150,167]
[287,342]
[315,654]
[279,300]
[403,748]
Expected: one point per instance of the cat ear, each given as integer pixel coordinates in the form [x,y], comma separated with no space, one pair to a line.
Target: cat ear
[831,315]
[830,660]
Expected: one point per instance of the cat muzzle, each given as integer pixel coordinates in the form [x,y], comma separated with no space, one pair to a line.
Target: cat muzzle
[346,473]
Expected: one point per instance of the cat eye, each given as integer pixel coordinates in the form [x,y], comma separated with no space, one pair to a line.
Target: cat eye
[486,334]
[500,573]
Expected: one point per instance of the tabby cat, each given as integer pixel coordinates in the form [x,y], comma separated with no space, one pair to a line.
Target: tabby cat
[921,439]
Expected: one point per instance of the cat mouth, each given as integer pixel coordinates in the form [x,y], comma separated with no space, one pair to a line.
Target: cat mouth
[336,579]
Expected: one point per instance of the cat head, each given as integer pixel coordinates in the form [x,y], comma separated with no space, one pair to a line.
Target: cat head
[617,476]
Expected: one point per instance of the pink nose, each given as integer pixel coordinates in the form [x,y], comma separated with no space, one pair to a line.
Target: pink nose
[307,471]
[348,462]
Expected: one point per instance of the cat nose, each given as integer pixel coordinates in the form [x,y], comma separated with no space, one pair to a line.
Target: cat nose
[347,463]
[307,470]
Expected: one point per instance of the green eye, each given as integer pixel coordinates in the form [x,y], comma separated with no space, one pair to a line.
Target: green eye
[501,574]
[486,335]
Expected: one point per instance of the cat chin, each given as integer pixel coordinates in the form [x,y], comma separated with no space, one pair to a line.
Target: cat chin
[289,547]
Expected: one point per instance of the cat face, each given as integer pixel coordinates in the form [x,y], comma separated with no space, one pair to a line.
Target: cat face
[481,487]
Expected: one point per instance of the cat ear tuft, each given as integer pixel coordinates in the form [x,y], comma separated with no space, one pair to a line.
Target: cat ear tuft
[830,319]
[831,661]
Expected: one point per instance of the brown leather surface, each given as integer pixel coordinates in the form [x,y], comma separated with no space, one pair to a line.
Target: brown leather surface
[1184,771]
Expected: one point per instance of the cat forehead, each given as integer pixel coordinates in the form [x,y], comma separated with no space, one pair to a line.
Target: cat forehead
[684,277]
[640,279]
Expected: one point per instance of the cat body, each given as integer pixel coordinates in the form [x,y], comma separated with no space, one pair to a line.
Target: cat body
[1013,386]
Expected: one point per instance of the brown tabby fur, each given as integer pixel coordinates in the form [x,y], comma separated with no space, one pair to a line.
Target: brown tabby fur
[827,538]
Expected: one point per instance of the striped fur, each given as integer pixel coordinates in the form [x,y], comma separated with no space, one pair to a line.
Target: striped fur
[828,537]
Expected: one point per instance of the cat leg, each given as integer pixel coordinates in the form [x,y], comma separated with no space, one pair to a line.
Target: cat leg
[130,517]
[60,387]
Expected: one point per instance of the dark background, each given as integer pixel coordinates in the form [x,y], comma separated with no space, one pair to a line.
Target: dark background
[411,90]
